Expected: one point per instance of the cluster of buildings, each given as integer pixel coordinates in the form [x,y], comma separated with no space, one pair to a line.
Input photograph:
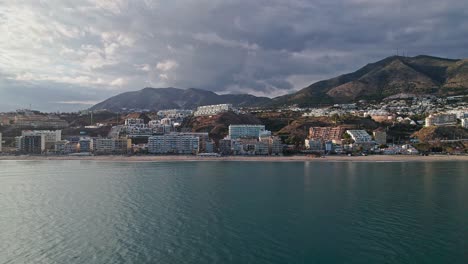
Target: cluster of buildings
[209,110]
[398,109]
[50,142]
[342,139]
[250,140]
[32,119]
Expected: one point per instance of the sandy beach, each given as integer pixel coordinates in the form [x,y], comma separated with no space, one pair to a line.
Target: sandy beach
[371,158]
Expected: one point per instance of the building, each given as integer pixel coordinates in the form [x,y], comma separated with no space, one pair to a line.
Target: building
[30,144]
[134,122]
[39,121]
[246,131]
[464,123]
[175,113]
[380,137]
[441,120]
[1,142]
[50,136]
[111,145]
[225,147]
[314,144]
[66,147]
[85,145]
[360,136]
[274,144]
[213,109]
[333,134]
[173,143]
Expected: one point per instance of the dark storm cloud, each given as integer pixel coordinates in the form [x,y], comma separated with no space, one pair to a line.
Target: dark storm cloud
[263,47]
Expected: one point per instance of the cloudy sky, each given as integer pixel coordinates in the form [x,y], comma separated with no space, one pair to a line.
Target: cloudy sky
[65,55]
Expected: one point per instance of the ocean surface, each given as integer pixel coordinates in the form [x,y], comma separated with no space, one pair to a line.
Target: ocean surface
[233,212]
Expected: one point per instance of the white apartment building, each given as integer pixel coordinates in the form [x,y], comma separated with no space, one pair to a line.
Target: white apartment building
[207,110]
[441,120]
[175,113]
[247,131]
[134,122]
[173,143]
[359,136]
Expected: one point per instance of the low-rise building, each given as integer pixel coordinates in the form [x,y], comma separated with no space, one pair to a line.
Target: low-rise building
[333,134]
[360,136]
[380,137]
[441,120]
[134,122]
[175,113]
[39,121]
[208,110]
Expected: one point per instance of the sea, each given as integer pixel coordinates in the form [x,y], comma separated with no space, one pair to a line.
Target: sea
[233,212]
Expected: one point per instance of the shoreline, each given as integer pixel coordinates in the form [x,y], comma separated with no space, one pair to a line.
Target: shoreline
[371,158]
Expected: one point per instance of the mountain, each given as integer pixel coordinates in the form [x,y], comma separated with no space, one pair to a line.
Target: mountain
[393,75]
[173,98]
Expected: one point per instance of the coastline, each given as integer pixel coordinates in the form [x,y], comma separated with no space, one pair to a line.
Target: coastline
[371,158]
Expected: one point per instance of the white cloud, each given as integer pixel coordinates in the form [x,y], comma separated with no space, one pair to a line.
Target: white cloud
[118,82]
[167,65]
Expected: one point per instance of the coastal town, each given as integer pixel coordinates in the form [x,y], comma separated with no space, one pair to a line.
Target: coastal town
[404,124]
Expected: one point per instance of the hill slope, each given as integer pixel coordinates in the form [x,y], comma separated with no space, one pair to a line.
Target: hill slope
[173,98]
[390,76]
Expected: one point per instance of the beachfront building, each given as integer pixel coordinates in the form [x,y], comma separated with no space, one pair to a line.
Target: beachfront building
[66,147]
[85,145]
[313,144]
[441,120]
[50,136]
[108,146]
[360,136]
[208,110]
[225,147]
[174,143]
[275,147]
[247,131]
[31,144]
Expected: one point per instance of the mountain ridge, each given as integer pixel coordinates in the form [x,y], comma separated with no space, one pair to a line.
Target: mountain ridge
[422,74]
[174,98]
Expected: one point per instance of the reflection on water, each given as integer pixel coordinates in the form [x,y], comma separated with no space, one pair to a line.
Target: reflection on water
[233,212]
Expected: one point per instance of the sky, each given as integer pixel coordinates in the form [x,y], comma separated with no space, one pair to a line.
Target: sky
[67,55]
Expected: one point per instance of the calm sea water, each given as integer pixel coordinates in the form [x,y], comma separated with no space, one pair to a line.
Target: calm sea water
[233,212]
